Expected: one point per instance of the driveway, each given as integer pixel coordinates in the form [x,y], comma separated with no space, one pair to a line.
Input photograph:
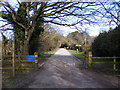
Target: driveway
[61,71]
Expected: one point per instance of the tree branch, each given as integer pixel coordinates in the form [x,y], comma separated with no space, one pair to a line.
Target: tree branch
[5,25]
[109,12]
[6,29]
[13,15]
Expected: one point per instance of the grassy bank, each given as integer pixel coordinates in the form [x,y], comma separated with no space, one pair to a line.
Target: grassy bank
[25,75]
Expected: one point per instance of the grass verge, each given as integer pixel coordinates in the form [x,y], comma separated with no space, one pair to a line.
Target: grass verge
[44,55]
[104,68]
[78,55]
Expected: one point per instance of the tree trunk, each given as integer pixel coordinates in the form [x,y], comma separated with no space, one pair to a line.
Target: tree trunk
[26,44]
[28,34]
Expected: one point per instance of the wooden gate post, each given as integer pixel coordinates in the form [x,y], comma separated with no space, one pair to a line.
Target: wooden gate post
[36,58]
[89,58]
[114,64]
[13,58]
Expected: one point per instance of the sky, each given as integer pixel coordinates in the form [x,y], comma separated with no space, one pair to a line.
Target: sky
[91,29]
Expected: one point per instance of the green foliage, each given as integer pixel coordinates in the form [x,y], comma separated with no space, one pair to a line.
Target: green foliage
[79,55]
[5,15]
[77,38]
[21,13]
[64,45]
[107,43]
[34,40]
[19,32]
[49,40]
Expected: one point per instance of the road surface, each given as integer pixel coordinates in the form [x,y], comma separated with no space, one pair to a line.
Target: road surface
[61,71]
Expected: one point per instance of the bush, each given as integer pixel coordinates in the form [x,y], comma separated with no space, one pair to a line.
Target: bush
[107,43]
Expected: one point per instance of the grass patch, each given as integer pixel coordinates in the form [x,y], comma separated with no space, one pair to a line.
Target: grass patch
[79,55]
[44,55]
[99,65]
[104,65]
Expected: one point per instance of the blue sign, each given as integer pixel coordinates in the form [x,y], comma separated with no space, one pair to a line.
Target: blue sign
[30,58]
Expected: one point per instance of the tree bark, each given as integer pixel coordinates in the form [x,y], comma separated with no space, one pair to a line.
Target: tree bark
[26,43]
[28,34]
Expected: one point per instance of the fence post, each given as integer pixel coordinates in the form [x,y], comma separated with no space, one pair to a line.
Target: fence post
[85,62]
[114,64]
[13,58]
[36,58]
[89,58]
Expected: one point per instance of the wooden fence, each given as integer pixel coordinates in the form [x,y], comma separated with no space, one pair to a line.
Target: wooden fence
[115,61]
[18,62]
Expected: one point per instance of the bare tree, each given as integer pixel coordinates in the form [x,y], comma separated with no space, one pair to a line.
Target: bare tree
[50,39]
[28,17]
[111,11]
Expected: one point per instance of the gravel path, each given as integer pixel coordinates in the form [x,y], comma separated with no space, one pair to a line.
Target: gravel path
[61,71]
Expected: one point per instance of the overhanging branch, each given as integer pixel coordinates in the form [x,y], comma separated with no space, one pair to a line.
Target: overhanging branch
[5,25]
[6,29]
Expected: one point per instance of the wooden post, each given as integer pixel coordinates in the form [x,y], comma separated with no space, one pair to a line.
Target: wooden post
[13,58]
[85,59]
[114,64]
[36,58]
[90,58]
